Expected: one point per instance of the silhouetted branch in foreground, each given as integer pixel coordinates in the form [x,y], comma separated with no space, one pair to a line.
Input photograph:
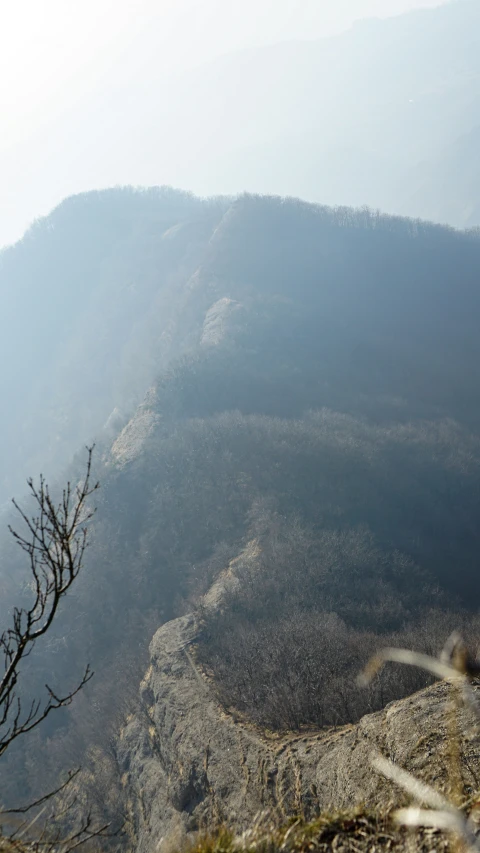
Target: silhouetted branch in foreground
[54,538]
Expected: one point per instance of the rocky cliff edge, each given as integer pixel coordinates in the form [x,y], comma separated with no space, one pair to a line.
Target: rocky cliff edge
[188,764]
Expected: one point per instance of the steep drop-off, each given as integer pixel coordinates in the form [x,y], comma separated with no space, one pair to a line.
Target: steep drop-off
[187,764]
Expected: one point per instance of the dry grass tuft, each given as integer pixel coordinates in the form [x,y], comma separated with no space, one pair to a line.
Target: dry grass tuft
[346,832]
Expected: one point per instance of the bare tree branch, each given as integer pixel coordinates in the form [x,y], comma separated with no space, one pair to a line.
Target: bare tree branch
[54,538]
[45,798]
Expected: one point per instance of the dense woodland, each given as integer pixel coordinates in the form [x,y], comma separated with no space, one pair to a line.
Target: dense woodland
[313,381]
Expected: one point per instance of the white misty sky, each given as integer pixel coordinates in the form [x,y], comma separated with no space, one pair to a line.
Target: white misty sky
[58,56]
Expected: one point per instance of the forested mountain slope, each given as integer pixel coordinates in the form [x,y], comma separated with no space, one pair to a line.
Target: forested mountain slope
[85,302]
[313,430]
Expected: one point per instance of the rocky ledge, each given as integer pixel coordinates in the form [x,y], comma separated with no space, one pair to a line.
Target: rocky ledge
[189,764]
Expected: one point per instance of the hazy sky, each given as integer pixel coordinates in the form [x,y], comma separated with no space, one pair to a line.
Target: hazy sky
[57,56]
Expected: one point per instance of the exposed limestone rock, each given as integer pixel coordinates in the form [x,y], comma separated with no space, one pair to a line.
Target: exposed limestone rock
[228,580]
[187,763]
[220,321]
[129,443]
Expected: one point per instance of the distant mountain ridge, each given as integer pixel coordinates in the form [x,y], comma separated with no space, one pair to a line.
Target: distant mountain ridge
[353,119]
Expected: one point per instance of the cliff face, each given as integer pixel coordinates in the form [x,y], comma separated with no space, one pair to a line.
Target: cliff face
[188,764]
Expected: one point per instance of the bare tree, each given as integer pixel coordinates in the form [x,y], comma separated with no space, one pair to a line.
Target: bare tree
[54,538]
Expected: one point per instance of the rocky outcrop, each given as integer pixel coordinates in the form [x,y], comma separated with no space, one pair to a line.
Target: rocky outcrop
[187,763]
[133,436]
[222,319]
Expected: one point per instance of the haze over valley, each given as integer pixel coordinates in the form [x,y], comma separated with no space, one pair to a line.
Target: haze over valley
[277,367]
[319,100]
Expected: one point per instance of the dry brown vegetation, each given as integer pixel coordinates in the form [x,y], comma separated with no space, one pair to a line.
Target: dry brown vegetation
[350,832]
